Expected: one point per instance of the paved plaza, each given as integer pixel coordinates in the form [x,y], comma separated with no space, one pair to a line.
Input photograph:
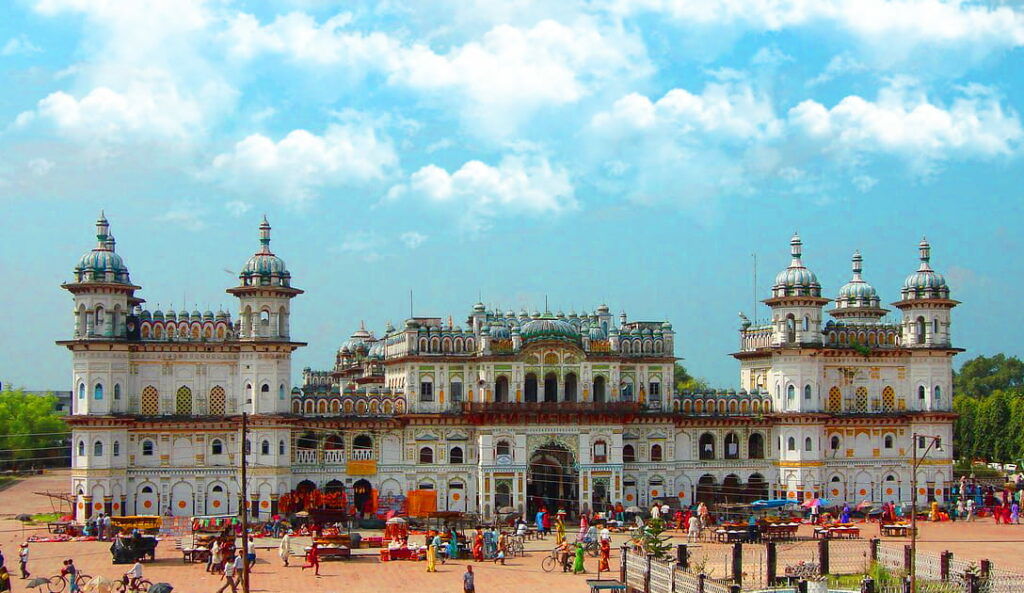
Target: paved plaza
[366,574]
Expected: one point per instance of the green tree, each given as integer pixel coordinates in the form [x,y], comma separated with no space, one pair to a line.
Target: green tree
[31,431]
[653,539]
[983,375]
[684,381]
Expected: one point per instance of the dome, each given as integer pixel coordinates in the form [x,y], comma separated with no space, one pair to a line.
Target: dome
[158,315]
[264,267]
[596,333]
[358,340]
[376,350]
[796,280]
[479,308]
[857,292]
[102,263]
[925,283]
[500,332]
[549,328]
[666,325]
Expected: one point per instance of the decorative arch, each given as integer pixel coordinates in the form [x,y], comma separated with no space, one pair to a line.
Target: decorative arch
[149,403]
[183,401]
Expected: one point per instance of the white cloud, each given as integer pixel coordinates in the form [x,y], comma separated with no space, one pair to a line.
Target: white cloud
[40,166]
[366,244]
[186,217]
[730,111]
[237,208]
[839,65]
[888,31]
[297,167]
[864,183]
[497,81]
[904,122]
[20,45]
[519,184]
[413,239]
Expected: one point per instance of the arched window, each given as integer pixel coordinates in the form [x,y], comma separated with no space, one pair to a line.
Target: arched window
[791,444]
[732,446]
[81,391]
[280,447]
[97,449]
[920,330]
[835,400]
[426,389]
[888,441]
[99,316]
[280,392]
[183,401]
[628,454]
[791,394]
[808,444]
[217,401]
[600,451]
[807,392]
[265,448]
[655,452]
[426,455]
[501,389]
[627,389]
[755,446]
[921,393]
[362,441]
[888,399]
[117,449]
[216,447]
[147,448]
[707,446]
[117,391]
[938,393]
[570,387]
[790,328]
[502,448]
[456,455]
[807,323]
[265,388]
[834,443]
[599,383]
[97,391]
[81,448]
[551,387]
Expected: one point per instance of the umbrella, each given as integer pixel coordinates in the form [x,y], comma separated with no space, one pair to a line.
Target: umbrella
[773,503]
[506,510]
[38,582]
[395,521]
[160,588]
[864,504]
[99,584]
[634,509]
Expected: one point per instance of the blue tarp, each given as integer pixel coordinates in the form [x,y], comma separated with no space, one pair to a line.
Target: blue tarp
[774,503]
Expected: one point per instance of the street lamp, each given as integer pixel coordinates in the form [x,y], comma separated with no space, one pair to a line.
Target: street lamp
[933,441]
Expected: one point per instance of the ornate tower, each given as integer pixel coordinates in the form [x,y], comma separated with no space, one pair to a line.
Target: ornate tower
[796,303]
[264,299]
[926,305]
[104,298]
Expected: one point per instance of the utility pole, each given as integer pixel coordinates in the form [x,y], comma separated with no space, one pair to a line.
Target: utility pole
[245,509]
[932,441]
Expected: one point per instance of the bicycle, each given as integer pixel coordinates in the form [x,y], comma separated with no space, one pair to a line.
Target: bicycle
[58,583]
[552,560]
[516,547]
[142,586]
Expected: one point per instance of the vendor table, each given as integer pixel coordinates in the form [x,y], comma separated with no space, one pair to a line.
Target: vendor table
[598,585]
[896,530]
[58,526]
[332,553]
[195,555]
[389,554]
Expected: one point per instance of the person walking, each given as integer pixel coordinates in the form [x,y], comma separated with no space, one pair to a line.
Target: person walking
[468,584]
[478,547]
[432,555]
[606,550]
[228,576]
[693,533]
[23,560]
[559,531]
[284,550]
[213,563]
[577,565]
[453,545]
[970,509]
[5,580]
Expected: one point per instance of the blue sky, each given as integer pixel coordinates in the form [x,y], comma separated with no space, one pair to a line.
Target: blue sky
[633,152]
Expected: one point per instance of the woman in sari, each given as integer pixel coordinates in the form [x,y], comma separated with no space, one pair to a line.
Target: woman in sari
[432,555]
[577,565]
[606,550]
[478,547]
[559,531]
[453,546]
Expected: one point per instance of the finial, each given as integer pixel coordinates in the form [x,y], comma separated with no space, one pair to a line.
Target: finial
[795,250]
[925,249]
[265,235]
[857,268]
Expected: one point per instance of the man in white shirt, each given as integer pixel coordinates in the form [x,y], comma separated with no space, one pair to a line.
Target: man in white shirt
[655,511]
[229,577]
[134,575]
[665,510]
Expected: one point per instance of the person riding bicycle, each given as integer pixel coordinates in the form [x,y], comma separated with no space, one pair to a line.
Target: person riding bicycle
[133,576]
[71,572]
[564,552]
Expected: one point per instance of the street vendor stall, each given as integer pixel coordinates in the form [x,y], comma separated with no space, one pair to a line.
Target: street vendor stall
[208,529]
[136,538]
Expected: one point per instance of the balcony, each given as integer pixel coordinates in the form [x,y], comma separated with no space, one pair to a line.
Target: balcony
[547,407]
[334,456]
[362,454]
[305,456]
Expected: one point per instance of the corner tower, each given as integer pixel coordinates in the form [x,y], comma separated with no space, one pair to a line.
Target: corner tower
[796,303]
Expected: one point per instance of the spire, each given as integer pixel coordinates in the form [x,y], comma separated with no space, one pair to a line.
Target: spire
[102,230]
[795,245]
[265,235]
[111,244]
[926,255]
[857,268]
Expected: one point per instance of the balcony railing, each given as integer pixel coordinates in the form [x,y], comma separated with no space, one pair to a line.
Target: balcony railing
[334,456]
[362,454]
[548,407]
[305,455]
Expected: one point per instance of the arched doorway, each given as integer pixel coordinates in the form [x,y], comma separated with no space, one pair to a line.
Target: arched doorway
[362,493]
[552,479]
[531,387]
[731,488]
[757,488]
[706,489]
[550,387]
[570,387]
[501,389]
[599,396]
[334,486]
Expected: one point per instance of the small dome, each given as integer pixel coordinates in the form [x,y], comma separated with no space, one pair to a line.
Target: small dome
[376,350]
[857,292]
[171,315]
[925,283]
[596,333]
[158,315]
[549,328]
[265,268]
[500,332]
[479,308]
[796,280]
[145,315]
[102,263]
[359,340]
[666,325]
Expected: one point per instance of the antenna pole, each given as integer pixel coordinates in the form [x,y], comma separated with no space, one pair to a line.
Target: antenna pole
[245,511]
[410,304]
[754,255]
